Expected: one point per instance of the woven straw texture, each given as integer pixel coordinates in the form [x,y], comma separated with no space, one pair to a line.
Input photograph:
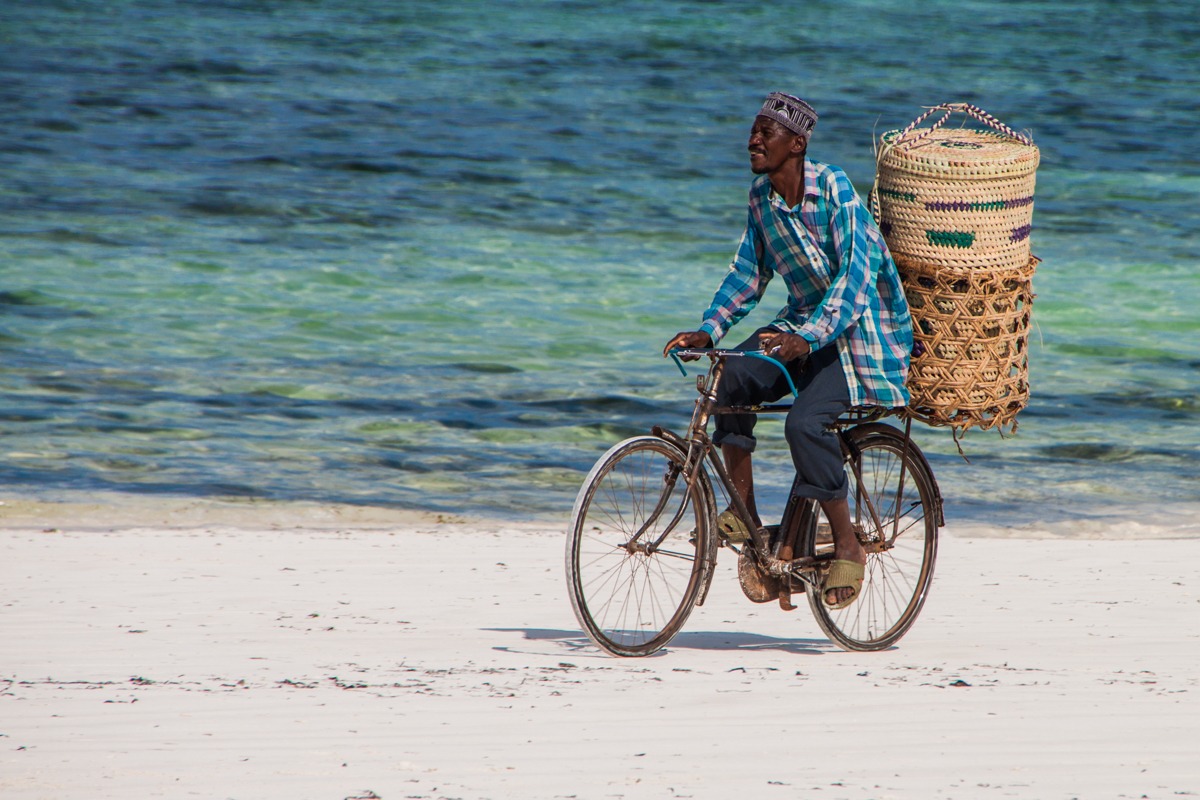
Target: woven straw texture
[974,326]
[956,197]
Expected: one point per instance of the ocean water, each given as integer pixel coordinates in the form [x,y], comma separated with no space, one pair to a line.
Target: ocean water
[426,254]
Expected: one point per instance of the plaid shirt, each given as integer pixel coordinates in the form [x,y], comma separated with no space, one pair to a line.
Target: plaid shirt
[843,287]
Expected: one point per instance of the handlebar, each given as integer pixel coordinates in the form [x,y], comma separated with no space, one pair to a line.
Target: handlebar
[715,353]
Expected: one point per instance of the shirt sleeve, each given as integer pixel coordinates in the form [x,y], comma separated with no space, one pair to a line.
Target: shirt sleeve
[849,292]
[742,288]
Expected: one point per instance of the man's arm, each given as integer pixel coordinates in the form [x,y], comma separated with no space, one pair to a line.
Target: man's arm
[742,288]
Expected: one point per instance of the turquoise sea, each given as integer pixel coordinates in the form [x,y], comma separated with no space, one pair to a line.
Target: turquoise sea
[425,254]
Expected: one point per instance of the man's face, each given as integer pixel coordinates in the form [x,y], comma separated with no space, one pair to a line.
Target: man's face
[770,145]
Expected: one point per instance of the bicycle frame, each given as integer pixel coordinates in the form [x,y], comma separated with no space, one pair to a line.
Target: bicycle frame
[698,448]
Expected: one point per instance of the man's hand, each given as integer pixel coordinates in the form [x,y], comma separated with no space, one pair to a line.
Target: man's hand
[784,346]
[688,339]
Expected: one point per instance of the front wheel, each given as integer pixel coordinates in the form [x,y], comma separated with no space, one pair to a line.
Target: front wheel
[640,547]
[900,538]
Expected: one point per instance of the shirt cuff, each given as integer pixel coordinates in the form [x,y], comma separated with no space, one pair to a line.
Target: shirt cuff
[713,330]
[814,342]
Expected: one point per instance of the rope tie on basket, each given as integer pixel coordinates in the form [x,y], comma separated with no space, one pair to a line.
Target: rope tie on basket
[975,112]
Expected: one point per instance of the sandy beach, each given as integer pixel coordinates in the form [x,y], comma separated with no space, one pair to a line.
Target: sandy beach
[199,650]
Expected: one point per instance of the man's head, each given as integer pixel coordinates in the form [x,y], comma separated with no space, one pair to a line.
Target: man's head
[780,132]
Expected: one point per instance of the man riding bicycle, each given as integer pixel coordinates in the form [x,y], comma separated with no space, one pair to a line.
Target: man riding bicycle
[845,334]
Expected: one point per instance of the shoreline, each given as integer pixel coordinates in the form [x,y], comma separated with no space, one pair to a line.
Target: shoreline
[96,511]
[114,510]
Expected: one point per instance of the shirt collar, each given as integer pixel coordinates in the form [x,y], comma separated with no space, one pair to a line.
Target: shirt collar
[811,189]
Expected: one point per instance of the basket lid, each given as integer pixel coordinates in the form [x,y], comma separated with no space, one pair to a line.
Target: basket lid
[957,150]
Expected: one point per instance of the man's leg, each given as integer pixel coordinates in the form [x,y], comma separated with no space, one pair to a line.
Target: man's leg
[817,452]
[845,543]
[738,462]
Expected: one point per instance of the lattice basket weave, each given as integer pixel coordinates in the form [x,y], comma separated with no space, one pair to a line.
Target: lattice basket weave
[973,325]
[956,197]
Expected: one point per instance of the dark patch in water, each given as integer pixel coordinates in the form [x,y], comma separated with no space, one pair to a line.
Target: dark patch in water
[268,161]
[376,167]
[295,413]
[25,150]
[409,153]
[601,405]
[484,178]
[1090,451]
[99,101]
[463,424]
[23,416]
[22,299]
[376,406]
[402,464]
[486,367]
[211,67]
[52,385]
[224,207]
[59,125]
[78,237]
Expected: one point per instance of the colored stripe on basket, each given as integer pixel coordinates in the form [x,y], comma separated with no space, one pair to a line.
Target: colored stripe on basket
[909,196]
[962,239]
[1021,233]
[993,205]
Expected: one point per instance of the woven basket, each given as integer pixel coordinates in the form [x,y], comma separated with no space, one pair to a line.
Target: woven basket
[956,197]
[973,325]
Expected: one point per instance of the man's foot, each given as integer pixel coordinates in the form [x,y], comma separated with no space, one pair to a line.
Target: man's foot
[844,579]
[730,524]
[843,582]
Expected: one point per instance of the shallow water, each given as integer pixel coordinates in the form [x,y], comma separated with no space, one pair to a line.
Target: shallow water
[418,256]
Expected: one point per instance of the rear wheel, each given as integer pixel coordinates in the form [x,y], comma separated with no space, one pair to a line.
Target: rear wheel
[900,539]
[640,547]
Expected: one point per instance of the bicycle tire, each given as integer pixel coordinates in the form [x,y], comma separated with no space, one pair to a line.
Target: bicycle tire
[631,602]
[897,579]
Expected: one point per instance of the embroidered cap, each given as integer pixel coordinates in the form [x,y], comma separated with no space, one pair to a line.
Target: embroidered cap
[790,112]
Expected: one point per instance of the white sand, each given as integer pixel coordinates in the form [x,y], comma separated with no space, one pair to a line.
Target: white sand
[243,652]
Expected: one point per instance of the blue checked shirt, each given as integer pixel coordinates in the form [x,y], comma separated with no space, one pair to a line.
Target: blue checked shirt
[843,287]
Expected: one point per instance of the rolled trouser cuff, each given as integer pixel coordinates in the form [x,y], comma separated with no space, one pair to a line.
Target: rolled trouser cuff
[801,489]
[747,443]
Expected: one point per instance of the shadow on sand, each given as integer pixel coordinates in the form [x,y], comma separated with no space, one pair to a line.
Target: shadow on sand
[687,640]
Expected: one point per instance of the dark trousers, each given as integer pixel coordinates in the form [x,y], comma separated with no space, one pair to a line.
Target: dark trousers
[823,397]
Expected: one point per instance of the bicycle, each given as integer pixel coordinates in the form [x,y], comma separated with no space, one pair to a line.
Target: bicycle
[643,542]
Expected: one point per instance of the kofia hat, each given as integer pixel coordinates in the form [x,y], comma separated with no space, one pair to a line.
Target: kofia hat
[790,112]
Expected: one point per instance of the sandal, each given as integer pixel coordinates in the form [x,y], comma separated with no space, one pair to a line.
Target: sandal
[730,524]
[843,575]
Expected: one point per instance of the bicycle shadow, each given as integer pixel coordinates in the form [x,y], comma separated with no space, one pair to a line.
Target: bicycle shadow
[728,641]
